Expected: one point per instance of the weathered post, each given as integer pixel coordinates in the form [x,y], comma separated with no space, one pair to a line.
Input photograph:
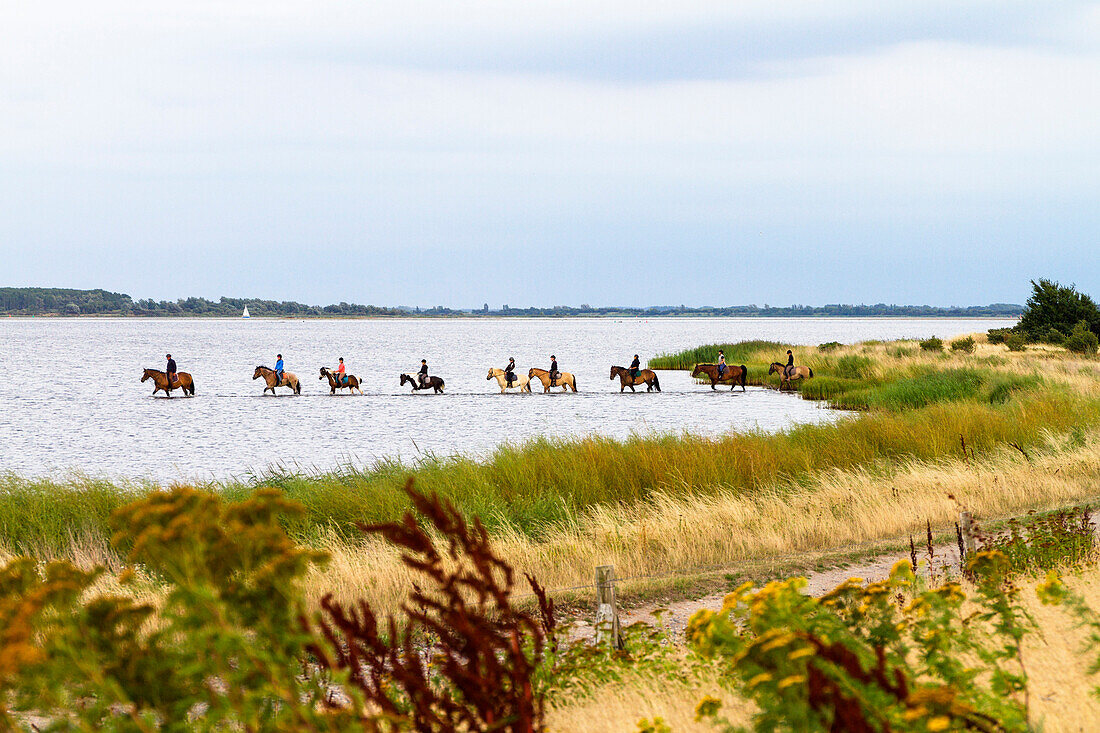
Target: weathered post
[607,614]
[966,526]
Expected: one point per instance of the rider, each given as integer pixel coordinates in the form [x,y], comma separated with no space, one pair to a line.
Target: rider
[721,363]
[170,370]
[554,371]
[422,375]
[341,373]
[635,367]
[278,369]
[789,369]
[510,371]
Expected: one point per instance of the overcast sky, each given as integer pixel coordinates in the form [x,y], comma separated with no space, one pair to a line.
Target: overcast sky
[531,153]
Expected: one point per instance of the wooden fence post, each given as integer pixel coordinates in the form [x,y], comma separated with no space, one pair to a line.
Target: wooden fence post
[607,614]
[967,530]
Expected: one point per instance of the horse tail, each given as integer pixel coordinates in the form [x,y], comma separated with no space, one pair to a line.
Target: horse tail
[811,370]
[298,387]
[656,382]
[574,384]
[192,385]
[744,375]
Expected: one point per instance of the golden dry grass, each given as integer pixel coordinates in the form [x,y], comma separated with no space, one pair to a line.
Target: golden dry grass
[681,534]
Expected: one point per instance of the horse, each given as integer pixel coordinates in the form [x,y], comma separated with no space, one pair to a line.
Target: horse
[565,380]
[160,381]
[797,372]
[289,380]
[334,381]
[435,383]
[522,383]
[730,375]
[648,377]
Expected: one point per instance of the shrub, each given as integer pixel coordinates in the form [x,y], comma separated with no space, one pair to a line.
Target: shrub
[1055,306]
[998,335]
[829,346]
[1054,336]
[1081,340]
[1016,342]
[880,656]
[1045,542]
[965,345]
[932,344]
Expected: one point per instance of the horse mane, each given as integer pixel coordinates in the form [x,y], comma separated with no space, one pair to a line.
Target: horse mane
[261,366]
[150,369]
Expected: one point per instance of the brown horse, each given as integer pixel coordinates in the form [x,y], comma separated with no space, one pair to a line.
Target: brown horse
[796,372]
[334,381]
[648,377]
[289,380]
[730,375]
[160,381]
[565,380]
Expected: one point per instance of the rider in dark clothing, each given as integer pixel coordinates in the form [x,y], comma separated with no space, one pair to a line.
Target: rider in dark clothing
[553,371]
[170,370]
[635,367]
[721,363]
[510,371]
[423,373]
[789,369]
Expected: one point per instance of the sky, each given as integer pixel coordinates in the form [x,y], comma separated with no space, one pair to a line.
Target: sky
[551,153]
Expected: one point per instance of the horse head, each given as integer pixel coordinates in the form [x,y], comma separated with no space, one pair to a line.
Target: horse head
[148,374]
[697,370]
[324,373]
[259,372]
[775,367]
[615,372]
[531,373]
[491,374]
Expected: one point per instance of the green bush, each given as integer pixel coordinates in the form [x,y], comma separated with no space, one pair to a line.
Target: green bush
[829,346]
[1016,342]
[965,345]
[1054,306]
[853,367]
[998,335]
[1054,336]
[932,344]
[1081,340]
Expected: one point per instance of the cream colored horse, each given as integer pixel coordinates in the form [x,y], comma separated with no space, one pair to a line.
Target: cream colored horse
[522,383]
[785,377]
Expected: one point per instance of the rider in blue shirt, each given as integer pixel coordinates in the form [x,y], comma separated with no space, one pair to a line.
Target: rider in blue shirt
[278,369]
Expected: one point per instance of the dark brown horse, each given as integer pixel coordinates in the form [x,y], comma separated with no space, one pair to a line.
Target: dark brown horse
[334,381]
[160,381]
[731,374]
[648,377]
[435,383]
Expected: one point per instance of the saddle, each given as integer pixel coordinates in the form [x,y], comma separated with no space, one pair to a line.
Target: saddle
[174,378]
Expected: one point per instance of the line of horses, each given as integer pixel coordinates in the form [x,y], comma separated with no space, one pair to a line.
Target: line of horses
[734,375]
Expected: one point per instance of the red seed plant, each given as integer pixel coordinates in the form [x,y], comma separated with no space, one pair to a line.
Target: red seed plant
[462,657]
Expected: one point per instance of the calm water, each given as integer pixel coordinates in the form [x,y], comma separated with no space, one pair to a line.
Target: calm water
[93,416]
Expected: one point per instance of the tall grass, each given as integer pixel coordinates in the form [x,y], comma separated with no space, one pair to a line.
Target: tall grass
[532,487]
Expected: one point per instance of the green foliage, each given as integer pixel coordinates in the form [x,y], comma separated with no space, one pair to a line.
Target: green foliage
[998,335]
[965,345]
[951,385]
[1055,306]
[1055,337]
[881,656]
[853,367]
[829,346]
[1045,541]
[226,642]
[931,344]
[1016,342]
[1081,340]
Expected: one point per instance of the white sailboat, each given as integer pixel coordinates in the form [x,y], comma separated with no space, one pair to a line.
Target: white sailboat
[245,314]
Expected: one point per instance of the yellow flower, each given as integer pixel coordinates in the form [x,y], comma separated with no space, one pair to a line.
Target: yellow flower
[806,651]
[940,722]
[778,641]
[794,679]
[1051,591]
[762,677]
[707,708]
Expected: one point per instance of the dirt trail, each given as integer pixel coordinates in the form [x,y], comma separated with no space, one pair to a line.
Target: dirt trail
[675,615]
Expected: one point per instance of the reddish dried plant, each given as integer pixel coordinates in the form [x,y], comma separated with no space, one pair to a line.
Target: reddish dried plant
[462,657]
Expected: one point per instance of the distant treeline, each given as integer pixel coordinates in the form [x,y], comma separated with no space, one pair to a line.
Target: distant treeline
[65,302]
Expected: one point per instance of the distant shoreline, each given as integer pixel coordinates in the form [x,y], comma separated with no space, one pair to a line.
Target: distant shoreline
[501,317]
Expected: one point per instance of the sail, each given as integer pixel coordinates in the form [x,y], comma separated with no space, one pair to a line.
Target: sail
[245,314]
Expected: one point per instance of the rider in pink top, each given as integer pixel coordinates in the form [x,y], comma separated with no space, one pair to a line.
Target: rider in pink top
[341,376]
